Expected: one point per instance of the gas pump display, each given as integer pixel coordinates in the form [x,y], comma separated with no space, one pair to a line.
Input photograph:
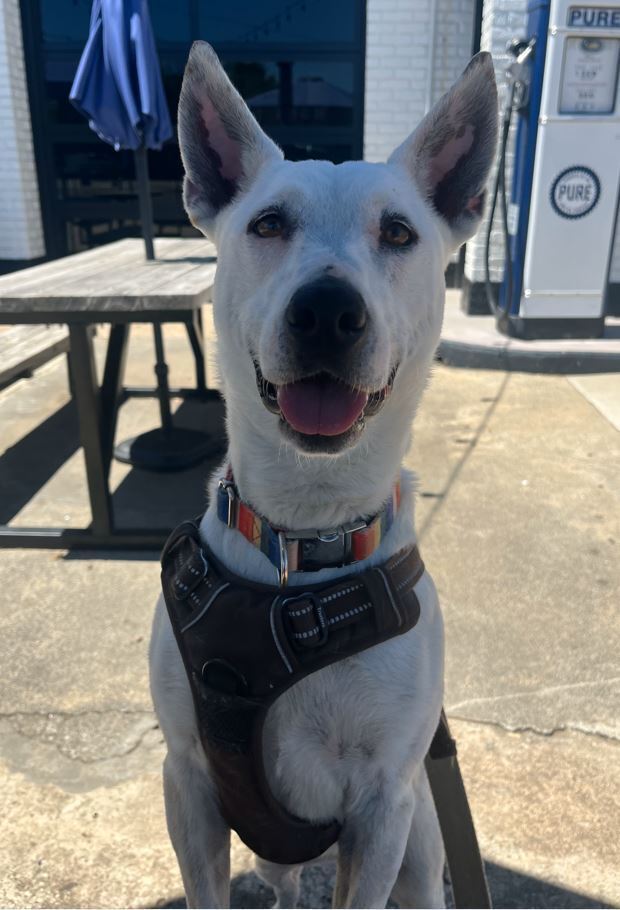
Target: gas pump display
[589,75]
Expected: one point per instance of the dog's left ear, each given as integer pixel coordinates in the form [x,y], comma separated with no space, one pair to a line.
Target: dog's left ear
[451,152]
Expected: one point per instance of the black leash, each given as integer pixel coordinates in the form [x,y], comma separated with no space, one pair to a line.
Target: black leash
[465,864]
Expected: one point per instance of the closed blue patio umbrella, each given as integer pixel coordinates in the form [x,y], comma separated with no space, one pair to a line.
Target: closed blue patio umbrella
[118,86]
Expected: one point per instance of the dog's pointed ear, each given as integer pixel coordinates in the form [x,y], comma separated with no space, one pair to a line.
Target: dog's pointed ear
[451,152]
[222,146]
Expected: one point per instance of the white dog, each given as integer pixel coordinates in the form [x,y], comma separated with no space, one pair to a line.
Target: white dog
[347,742]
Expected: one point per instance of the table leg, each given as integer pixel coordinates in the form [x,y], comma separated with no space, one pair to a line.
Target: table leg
[88,403]
[197,341]
[112,388]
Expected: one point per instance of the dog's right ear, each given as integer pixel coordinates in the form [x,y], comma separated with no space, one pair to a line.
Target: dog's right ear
[222,145]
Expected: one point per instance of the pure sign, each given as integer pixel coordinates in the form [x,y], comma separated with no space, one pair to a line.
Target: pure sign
[594,17]
[575,192]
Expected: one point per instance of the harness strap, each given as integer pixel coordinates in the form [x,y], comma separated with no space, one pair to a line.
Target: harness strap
[312,616]
[257,640]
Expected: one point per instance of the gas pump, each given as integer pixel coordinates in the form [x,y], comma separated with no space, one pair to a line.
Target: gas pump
[559,225]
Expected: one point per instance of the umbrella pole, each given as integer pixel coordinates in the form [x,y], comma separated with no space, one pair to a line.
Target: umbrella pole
[167,448]
[161,371]
[144,198]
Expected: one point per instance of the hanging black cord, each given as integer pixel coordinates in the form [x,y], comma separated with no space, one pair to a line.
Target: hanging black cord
[499,188]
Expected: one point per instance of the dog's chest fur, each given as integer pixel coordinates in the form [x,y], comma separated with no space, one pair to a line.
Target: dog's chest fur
[336,733]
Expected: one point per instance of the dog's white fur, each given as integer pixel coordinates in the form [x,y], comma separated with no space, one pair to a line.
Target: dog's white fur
[349,741]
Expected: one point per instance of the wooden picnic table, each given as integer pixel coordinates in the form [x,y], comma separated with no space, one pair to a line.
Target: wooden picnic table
[112,284]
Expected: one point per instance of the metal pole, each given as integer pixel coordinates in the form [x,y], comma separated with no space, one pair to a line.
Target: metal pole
[161,371]
[144,198]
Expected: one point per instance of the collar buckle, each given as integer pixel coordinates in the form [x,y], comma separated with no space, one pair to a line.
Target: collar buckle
[327,548]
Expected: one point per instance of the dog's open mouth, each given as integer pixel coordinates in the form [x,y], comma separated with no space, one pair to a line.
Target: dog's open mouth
[321,405]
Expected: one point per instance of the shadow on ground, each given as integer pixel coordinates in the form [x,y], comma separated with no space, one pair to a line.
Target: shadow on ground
[147,499]
[22,470]
[513,889]
[508,889]
[164,499]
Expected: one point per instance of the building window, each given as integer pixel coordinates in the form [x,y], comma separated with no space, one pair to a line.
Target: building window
[299,64]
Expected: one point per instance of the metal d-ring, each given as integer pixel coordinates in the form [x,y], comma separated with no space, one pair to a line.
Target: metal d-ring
[283,572]
[229,488]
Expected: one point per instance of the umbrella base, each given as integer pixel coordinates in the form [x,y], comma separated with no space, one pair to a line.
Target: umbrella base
[167,450]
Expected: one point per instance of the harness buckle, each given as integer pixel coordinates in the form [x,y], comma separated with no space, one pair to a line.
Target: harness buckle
[308,626]
[193,571]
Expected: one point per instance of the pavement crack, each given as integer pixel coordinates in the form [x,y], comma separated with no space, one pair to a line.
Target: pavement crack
[87,736]
[537,731]
[120,754]
[529,693]
[54,712]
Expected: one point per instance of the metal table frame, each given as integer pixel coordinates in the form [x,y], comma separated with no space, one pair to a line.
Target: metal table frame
[97,408]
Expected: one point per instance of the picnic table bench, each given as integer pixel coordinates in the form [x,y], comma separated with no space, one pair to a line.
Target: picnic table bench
[112,284]
[23,348]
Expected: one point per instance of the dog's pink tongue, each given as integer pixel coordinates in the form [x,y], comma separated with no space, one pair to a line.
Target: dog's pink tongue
[321,406]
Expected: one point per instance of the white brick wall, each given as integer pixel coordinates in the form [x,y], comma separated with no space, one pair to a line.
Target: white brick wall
[21,232]
[453,41]
[397,59]
[454,25]
[501,21]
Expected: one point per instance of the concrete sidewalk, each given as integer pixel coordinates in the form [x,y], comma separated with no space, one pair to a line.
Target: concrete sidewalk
[475,342]
[519,519]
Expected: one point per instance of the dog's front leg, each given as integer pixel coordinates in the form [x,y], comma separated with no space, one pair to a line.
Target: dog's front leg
[283,879]
[372,845]
[420,880]
[199,835]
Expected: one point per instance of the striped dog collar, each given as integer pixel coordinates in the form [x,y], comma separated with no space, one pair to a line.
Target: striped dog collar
[309,550]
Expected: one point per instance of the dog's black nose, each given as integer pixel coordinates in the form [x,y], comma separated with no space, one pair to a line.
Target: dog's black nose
[328,315]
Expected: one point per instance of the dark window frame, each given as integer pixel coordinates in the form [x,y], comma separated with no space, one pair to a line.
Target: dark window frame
[54,211]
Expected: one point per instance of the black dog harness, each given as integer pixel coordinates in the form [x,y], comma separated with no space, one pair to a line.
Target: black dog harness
[243,644]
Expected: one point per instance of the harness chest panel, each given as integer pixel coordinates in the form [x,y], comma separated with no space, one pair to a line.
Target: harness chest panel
[244,644]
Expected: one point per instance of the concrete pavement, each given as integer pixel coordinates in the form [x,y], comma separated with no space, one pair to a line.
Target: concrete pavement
[519,518]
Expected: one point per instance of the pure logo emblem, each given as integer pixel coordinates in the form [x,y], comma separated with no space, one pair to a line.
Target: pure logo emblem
[575,192]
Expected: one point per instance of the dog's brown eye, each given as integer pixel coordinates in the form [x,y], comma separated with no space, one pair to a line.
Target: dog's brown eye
[396,233]
[269,225]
